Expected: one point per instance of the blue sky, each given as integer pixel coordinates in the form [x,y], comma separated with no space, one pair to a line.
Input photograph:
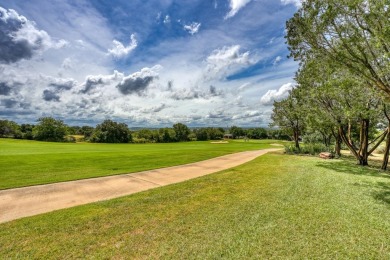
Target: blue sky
[146,63]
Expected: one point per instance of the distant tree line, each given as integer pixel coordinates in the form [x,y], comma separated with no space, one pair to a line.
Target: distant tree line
[55,130]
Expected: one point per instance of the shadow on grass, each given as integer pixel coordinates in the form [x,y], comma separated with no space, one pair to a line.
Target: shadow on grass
[383,194]
[348,165]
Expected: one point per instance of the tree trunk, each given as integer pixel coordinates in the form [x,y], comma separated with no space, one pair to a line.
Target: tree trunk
[360,160]
[296,139]
[363,151]
[337,148]
[363,161]
[386,155]
[338,141]
[350,132]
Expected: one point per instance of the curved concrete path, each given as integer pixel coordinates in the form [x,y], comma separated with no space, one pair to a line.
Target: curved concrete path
[29,201]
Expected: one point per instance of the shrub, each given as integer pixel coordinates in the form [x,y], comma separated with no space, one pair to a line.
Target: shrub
[311,149]
[70,139]
[111,132]
[50,129]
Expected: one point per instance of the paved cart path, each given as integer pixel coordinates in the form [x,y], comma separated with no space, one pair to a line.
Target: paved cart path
[23,202]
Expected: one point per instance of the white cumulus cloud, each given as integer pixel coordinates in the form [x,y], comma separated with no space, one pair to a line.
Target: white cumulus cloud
[297,3]
[222,61]
[21,39]
[138,82]
[192,28]
[167,19]
[235,6]
[276,94]
[120,51]
[277,60]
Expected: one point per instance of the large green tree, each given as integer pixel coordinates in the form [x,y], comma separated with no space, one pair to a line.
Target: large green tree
[353,33]
[111,132]
[236,131]
[8,128]
[288,115]
[50,129]
[337,98]
[182,132]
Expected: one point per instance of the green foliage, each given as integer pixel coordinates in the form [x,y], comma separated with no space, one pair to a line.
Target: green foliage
[289,115]
[27,131]
[257,133]
[144,134]
[236,131]
[309,149]
[343,49]
[50,129]
[9,129]
[70,139]
[182,131]
[312,138]
[351,33]
[201,134]
[73,130]
[209,133]
[167,135]
[278,134]
[87,131]
[111,132]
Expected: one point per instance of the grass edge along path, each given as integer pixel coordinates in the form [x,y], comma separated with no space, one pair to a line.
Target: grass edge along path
[276,206]
[26,163]
[29,201]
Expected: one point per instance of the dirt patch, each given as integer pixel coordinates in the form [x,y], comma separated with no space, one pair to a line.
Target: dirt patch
[219,142]
[277,145]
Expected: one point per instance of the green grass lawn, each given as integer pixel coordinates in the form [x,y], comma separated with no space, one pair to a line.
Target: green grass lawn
[25,163]
[275,207]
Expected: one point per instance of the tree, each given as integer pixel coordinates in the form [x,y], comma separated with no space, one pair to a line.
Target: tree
[257,133]
[182,132]
[386,113]
[111,132]
[201,134]
[145,134]
[338,102]
[9,129]
[73,130]
[209,133]
[27,131]
[353,33]
[167,135]
[236,131]
[214,133]
[287,115]
[87,131]
[50,129]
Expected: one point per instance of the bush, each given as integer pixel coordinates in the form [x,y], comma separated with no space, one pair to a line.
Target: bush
[28,135]
[9,128]
[311,149]
[137,140]
[70,139]
[50,129]
[312,138]
[111,132]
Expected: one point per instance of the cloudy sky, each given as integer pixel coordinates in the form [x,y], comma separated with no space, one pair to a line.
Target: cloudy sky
[146,63]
